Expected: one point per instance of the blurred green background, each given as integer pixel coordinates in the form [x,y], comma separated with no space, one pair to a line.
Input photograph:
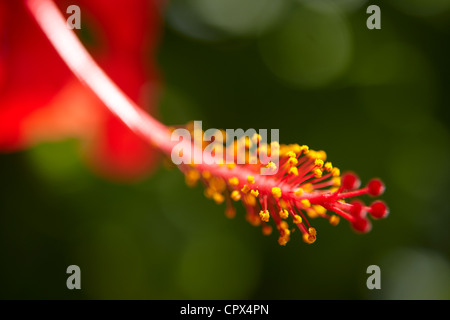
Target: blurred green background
[377,101]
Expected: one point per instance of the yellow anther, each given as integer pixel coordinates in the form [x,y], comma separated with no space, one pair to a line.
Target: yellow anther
[334,220]
[209,192]
[230,212]
[192,177]
[312,154]
[291,154]
[317,173]
[305,149]
[335,172]
[249,199]
[264,215]
[283,226]
[336,181]
[276,192]
[321,155]
[251,179]
[305,203]
[284,214]
[267,230]
[318,163]
[308,187]
[298,192]
[235,195]
[218,198]
[308,238]
[271,165]
[283,240]
[245,189]
[292,161]
[312,231]
[293,171]
[286,232]
[328,166]
[231,165]
[206,174]
[312,213]
[319,209]
[297,219]
[254,193]
[233,181]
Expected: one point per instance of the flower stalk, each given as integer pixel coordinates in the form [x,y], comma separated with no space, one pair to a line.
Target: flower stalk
[303,185]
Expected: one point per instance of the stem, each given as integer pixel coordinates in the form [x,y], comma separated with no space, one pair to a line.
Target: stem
[76,57]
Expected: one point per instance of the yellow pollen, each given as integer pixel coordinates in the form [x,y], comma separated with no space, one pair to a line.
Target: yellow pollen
[318,163]
[251,179]
[283,240]
[206,174]
[245,189]
[328,166]
[276,192]
[233,181]
[297,219]
[312,213]
[321,155]
[308,238]
[335,172]
[312,154]
[231,165]
[293,171]
[218,198]
[284,214]
[336,181]
[250,200]
[299,192]
[235,195]
[317,173]
[319,209]
[271,165]
[291,154]
[192,177]
[306,203]
[283,226]
[308,187]
[209,192]
[305,149]
[292,161]
[264,215]
[254,193]
[334,220]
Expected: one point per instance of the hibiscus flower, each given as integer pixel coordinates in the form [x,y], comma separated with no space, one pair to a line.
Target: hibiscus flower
[41,99]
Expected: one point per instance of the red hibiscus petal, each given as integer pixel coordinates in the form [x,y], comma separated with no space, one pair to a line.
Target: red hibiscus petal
[41,100]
